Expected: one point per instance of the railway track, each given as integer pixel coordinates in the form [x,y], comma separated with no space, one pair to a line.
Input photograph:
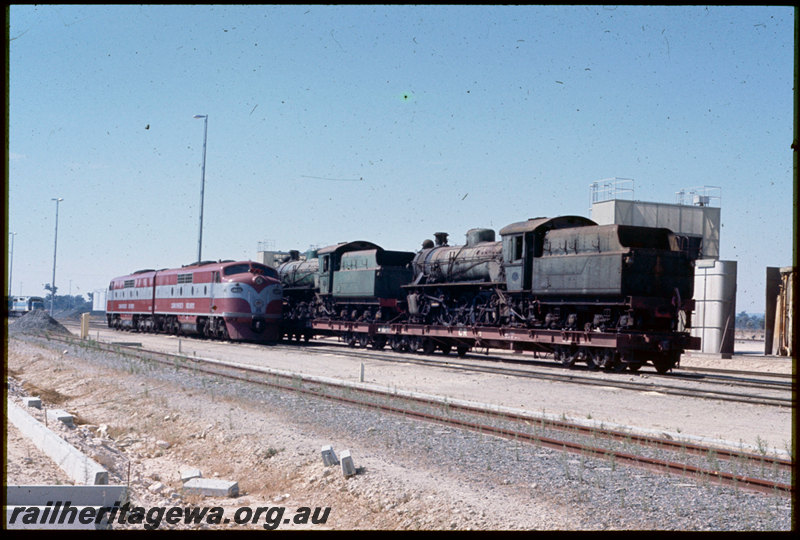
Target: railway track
[721,386]
[571,376]
[704,464]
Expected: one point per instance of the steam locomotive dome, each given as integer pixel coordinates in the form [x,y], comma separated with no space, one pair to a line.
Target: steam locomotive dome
[479,260]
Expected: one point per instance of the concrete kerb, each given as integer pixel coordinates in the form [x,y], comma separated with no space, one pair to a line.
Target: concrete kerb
[78,466]
[534,415]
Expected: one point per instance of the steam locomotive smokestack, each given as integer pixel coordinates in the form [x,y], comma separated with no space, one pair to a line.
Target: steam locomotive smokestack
[441,238]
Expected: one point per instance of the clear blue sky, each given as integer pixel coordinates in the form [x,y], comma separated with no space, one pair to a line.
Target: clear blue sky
[382,123]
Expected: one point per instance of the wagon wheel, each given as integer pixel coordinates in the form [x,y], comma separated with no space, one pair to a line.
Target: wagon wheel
[398,344]
[415,344]
[223,330]
[618,366]
[596,359]
[379,342]
[363,340]
[569,356]
[461,350]
[348,338]
[216,328]
[634,361]
[635,366]
[445,349]
[428,346]
[664,362]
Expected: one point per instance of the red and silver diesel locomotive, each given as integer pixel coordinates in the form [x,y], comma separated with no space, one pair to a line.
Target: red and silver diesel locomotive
[237,300]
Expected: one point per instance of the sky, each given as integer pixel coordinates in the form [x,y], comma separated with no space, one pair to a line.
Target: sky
[381,123]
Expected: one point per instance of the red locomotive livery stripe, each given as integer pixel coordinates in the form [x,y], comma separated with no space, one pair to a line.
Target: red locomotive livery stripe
[196,298]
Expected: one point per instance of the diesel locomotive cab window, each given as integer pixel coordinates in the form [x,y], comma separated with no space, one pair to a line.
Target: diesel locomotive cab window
[263,270]
[236,269]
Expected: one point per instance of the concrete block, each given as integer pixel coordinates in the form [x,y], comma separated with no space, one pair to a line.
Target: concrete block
[211,487]
[329,456]
[348,469]
[34,402]
[79,467]
[60,416]
[188,474]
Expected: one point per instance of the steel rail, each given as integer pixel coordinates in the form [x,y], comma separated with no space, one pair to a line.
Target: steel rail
[572,377]
[721,395]
[711,375]
[724,478]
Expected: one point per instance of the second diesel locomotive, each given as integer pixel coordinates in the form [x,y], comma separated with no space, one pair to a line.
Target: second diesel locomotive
[612,296]
[237,300]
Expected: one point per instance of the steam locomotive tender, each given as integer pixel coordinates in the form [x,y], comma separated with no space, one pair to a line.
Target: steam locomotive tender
[224,300]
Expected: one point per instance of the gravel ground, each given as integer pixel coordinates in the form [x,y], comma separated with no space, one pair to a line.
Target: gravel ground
[412,475]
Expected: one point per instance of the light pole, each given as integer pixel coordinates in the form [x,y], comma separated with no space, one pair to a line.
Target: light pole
[202,186]
[11,262]
[55,249]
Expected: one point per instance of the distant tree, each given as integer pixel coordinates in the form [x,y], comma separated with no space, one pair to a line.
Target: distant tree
[71,303]
[746,321]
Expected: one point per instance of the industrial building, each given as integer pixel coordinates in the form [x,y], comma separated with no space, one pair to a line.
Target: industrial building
[695,219]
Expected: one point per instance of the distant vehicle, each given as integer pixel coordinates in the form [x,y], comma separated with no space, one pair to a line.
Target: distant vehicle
[20,305]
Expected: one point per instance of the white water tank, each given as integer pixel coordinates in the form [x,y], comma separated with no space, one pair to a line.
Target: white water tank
[714,318]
